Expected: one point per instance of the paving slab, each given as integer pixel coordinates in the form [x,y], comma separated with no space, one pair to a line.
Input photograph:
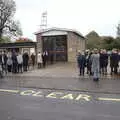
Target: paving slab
[63,76]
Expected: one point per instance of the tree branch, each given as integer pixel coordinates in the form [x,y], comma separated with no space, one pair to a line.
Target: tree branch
[10,29]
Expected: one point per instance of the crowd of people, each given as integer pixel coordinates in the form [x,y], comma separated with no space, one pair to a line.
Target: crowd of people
[16,62]
[98,61]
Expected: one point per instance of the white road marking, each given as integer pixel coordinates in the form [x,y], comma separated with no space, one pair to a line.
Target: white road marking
[11,91]
[109,99]
[83,96]
[58,95]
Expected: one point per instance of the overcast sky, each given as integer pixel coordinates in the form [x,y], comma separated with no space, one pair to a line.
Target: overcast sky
[82,15]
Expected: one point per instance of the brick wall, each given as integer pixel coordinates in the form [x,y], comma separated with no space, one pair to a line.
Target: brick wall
[74,43]
[39,43]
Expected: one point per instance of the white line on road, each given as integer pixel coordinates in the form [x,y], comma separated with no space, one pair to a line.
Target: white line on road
[59,95]
[11,91]
[109,99]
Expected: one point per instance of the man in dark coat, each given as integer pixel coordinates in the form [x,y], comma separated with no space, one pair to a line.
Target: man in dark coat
[1,57]
[25,61]
[114,61]
[14,61]
[33,60]
[103,62]
[45,58]
[5,61]
[81,62]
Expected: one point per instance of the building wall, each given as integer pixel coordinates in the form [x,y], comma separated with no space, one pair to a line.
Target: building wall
[74,43]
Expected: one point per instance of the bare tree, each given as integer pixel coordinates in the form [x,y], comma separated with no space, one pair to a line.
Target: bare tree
[7,11]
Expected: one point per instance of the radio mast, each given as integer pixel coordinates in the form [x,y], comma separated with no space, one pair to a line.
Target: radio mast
[43,25]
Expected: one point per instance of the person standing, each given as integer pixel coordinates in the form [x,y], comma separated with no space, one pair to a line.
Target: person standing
[114,61]
[9,62]
[33,60]
[20,62]
[39,60]
[103,62]
[119,62]
[90,63]
[45,58]
[25,61]
[5,61]
[15,64]
[87,60]
[1,60]
[81,62]
[1,65]
[95,59]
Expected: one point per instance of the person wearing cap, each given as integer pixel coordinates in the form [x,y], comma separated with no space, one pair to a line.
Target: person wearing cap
[95,59]
[81,62]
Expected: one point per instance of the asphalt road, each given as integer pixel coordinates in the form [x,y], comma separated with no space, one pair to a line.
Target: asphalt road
[45,104]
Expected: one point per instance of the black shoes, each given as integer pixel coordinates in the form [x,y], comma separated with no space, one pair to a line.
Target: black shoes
[96,79]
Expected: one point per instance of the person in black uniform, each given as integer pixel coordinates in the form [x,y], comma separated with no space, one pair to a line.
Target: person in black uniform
[25,61]
[103,62]
[14,61]
[114,61]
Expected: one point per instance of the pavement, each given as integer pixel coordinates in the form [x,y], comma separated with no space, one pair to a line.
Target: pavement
[62,76]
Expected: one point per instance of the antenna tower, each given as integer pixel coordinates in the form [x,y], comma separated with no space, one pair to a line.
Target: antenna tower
[43,21]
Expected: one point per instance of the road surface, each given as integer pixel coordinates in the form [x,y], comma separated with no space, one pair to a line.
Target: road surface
[46,104]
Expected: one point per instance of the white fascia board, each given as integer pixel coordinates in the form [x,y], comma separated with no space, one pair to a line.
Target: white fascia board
[54,33]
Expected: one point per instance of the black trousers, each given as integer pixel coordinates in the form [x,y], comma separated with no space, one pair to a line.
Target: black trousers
[114,69]
[25,67]
[82,70]
[20,68]
[14,68]
[9,68]
[39,65]
[104,70]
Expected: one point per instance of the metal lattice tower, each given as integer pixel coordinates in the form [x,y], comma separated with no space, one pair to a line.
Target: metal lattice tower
[118,30]
[43,21]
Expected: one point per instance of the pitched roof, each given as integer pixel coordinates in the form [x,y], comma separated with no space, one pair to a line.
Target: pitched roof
[17,45]
[60,29]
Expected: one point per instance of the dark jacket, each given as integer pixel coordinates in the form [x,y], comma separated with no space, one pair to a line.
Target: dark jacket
[103,60]
[14,59]
[114,60]
[25,59]
[0,59]
[5,59]
[81,61]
